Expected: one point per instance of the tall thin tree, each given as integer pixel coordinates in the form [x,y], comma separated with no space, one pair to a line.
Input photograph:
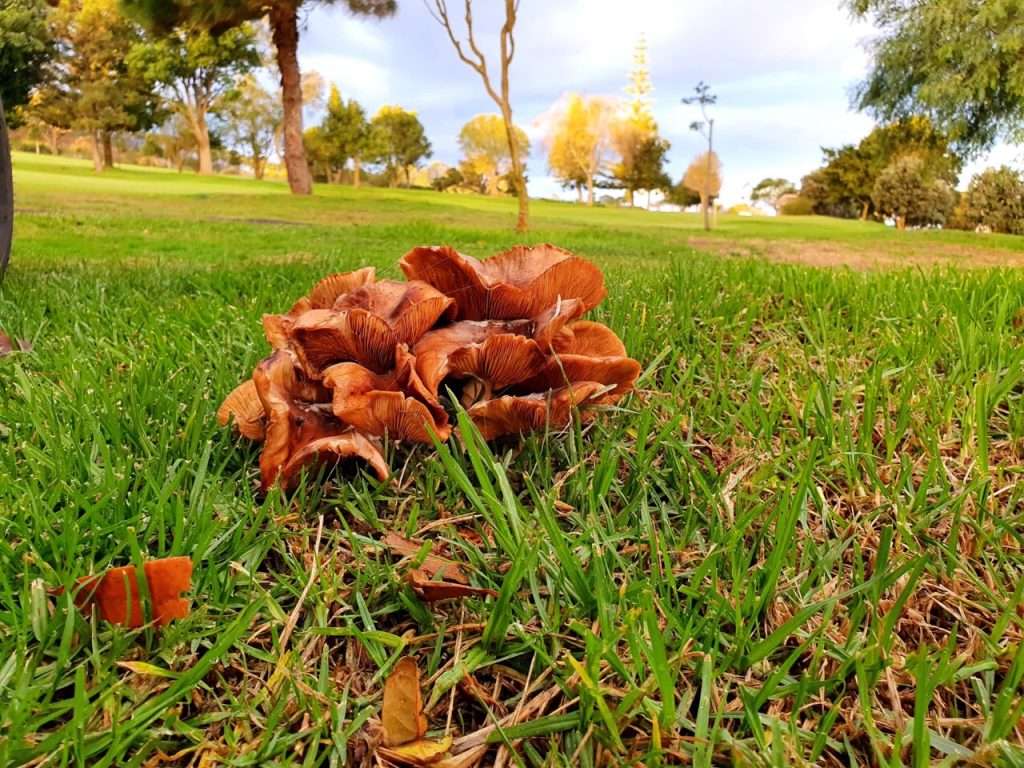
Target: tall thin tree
[476,60]
[706,127]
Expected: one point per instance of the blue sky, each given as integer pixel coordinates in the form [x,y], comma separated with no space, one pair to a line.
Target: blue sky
[783,77]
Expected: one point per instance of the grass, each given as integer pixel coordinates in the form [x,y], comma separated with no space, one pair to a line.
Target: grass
[799,543]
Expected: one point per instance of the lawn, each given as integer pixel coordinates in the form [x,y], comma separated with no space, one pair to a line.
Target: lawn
[800,542]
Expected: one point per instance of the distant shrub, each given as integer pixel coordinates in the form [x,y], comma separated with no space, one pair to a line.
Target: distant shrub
[796,205]
[995,199]
[451,178]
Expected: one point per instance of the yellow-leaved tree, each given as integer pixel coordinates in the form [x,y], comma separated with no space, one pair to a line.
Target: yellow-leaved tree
[580,142]
[704,176]
[485,148]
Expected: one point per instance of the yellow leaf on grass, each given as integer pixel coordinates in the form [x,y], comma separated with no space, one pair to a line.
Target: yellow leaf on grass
[417,753]
[402,711]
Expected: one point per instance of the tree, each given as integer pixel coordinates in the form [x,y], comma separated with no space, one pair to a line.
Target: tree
[174,142]
[283,15]
[581,142]
[995,200]
[957,61]
[452,177]
[501,97]
[909,194]
[706,127]
[253,115]
[89,86]
[704,176]
[683,196]
[343,134]
[197,69]
[485,147]
[397,140]
[771,191]
[25,46]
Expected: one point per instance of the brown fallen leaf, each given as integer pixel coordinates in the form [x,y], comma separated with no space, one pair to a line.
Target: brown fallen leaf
[8,345]
[417,753]
[433,565]
[116,592]
[402,711]
[432,591]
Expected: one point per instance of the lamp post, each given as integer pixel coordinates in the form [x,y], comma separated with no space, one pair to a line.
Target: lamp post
[704,98]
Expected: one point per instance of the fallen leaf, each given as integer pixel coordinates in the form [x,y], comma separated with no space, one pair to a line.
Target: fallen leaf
[7,345]
[417,753]
[432,591]
[402,711]
[433,565]
[116,592]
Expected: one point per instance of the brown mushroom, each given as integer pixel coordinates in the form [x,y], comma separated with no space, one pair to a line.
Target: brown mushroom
[495,353]
[298,412]
[376,404]
[345,445]
[243,408]
[277,328]
[366,326]
[333,287]
[518,283]
[528,413]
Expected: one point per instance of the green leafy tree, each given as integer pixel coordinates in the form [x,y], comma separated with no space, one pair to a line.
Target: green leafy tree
[343,135]
[252,115]
[452,177]
[771,191]
[89,86]
[485,147]
[25,46]
[197,70]
[845,185]
[397,141]
[910,194]
[995,200]
[283,16]
[957,61]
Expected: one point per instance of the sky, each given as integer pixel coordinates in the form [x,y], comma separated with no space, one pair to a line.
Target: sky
[783,77]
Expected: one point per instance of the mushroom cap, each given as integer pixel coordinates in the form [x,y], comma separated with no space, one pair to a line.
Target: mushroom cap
[332,287]
[376,404]
[590,338]
[297,411]
[347,444]
[587,351]
[366,325]
[550,327]
[520,282]
[528,413]
[243,407]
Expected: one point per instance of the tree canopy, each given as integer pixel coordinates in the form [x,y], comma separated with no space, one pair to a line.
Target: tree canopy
[342,136]
[771,191]
[25,46]
[580,143]
[911,194]
[397,140]
[957,61]
[704,176]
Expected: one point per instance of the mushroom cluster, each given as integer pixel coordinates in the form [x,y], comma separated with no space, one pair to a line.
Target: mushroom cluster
[361,358]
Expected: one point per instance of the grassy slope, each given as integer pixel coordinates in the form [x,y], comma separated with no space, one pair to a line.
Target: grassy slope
[800,541]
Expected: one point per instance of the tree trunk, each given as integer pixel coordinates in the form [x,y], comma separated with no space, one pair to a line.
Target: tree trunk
[492,182]
[285,25]
[590,190]
[202,131]
[864,211]
[357,166]
[901,222]
[6,196]
[523,220]
[629,197]
[97,152]
[54,141]
[108,150]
